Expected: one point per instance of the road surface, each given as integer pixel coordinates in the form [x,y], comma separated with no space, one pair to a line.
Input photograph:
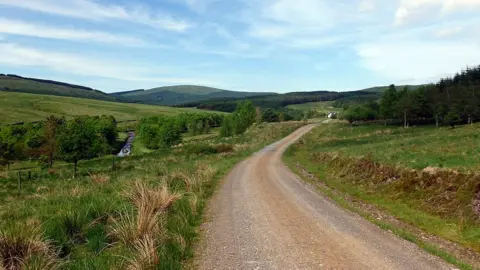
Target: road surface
[265,217]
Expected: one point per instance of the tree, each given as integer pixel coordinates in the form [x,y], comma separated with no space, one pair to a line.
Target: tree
[168,135]
[452,118]
[7,145]
[240,120]
[51,128]
[106,126]
[79,140]
[359,113]
[388,103]
[407,105]
[269,115]
[227,127]
[246,112]
[258,115]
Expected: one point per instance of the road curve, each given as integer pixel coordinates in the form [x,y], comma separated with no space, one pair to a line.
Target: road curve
[265,217]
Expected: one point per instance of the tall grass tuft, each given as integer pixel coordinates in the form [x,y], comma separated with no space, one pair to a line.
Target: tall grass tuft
[99,178]
[144,229]
[146,254]
[24,248]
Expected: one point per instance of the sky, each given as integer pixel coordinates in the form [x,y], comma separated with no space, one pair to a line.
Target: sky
[245,45]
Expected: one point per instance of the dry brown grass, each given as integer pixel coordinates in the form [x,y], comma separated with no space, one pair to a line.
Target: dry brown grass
[445,192]
[146,255]
[144,229]
[193,181]
[4,174]
[152,200]
[99,178]
[24,248]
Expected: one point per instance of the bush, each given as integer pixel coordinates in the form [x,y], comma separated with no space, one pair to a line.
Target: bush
[200,149]
[208,149]
[224,148]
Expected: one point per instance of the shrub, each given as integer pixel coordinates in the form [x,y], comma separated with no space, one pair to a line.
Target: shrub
[224,148]
[22,248]
[200,149]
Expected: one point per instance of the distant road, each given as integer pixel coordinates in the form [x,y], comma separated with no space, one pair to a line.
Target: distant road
[265,217]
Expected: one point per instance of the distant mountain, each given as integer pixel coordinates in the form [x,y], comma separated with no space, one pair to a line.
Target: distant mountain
[15,83]
[187,95]
[180,94]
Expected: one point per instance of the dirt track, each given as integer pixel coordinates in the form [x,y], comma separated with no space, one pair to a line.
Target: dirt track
[265,217]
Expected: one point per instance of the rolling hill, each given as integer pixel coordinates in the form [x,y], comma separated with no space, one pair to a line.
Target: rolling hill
[14,83]
[180,94]
[24,107]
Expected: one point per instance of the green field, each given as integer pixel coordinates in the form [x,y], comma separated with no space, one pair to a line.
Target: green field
[321,107]
[21,107]
[417,147]
[424,176]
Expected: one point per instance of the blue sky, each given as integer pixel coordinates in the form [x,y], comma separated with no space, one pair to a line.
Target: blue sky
[250,45]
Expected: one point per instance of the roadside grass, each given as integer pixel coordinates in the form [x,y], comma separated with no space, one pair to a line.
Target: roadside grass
[142,215]
[375,164]
[22,107]
[400,232]
[415,147]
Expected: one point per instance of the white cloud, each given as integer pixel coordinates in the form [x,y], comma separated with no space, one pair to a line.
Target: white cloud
[301,24]
[199,6]
[367,5]
[90,10]
[300,12]
[412,10]
[455,5]
[44,31]
[16,55]
[448,32]
[416,61]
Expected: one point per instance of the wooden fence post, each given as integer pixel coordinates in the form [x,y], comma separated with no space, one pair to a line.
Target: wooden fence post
[19,182]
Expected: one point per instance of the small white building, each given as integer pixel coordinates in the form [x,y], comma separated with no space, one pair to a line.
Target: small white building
[332,115]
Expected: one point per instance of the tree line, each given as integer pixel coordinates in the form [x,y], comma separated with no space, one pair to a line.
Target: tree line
[83,137]
[450,102]
[276,101]
[163,132]
[160,132]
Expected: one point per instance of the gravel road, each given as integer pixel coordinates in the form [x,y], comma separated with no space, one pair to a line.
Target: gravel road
[265,217]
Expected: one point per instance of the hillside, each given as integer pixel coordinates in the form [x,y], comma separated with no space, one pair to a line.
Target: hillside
[276,101]
[380,89]
[180,94]
[23,107]
[14,83]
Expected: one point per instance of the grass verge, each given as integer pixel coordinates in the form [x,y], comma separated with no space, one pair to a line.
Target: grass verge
[425,208]
[142,215]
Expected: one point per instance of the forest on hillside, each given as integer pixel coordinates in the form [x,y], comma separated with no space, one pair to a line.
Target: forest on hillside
[279,101]
[451,101]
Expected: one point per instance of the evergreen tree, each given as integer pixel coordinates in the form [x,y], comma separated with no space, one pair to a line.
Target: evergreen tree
[388,103]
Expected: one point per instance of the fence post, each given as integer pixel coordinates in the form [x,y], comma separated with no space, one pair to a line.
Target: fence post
[19,182]
[29,175]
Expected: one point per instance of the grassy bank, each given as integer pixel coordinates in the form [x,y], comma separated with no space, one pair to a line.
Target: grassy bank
[422,176]
[144,214]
